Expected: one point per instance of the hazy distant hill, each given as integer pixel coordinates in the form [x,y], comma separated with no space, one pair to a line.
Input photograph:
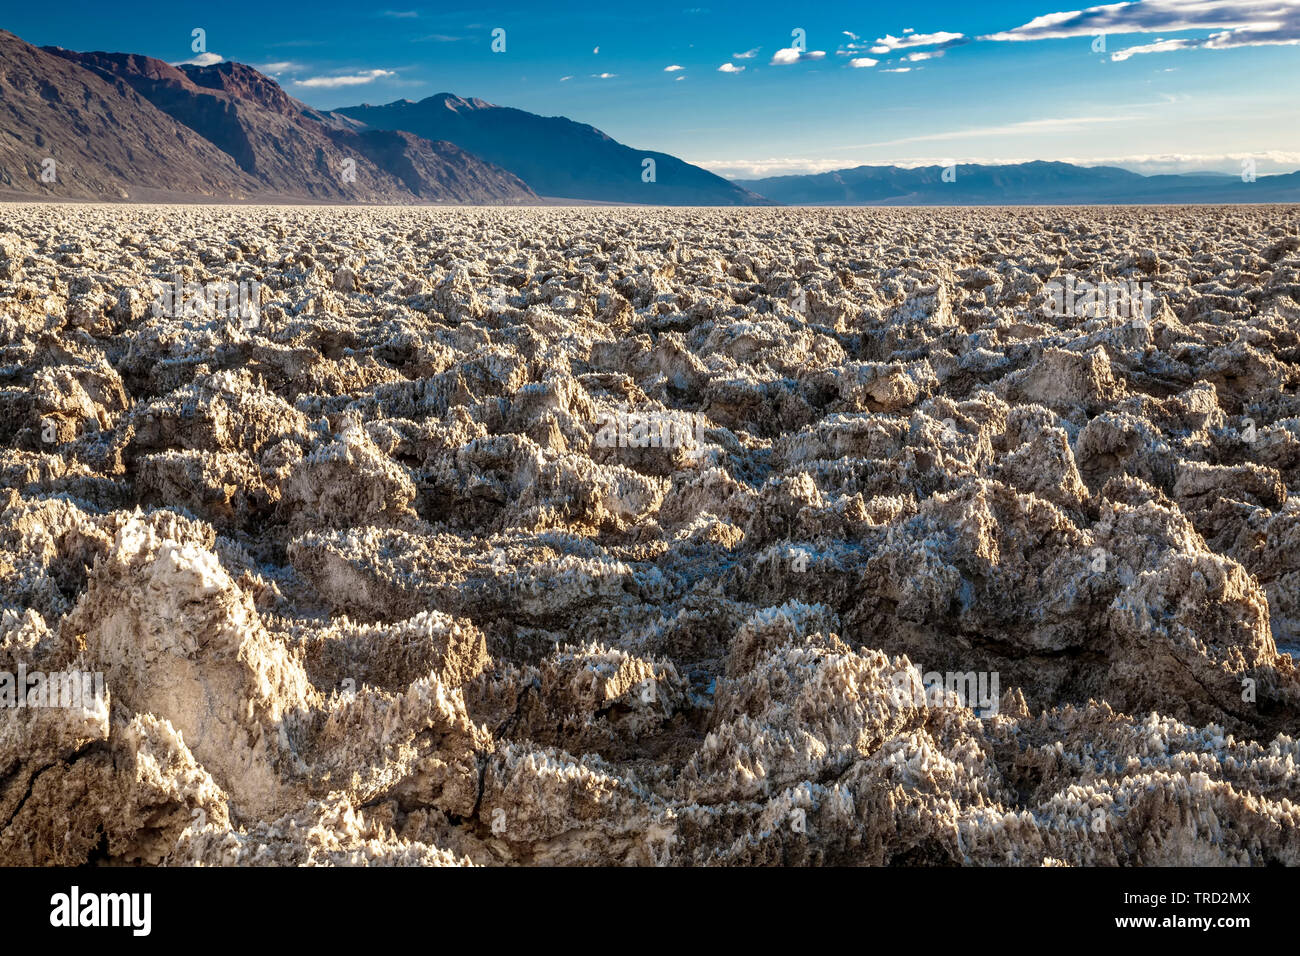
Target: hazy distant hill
[554,155]
[1020,184]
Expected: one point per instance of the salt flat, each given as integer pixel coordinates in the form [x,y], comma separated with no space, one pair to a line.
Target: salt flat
[614,535]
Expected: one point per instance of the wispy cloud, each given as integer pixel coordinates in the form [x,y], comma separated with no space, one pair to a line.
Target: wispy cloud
[760,168]
[1054,125]
[791,54]
[747,55]
[888,44]
[401,14]
[603,76]
[731,68]
[281,66]
[898,69]
[1240,23]
[438,38]
[352,79]
[1154,16]
[203,59]
[1276,159]
[1160,46]
[673,69]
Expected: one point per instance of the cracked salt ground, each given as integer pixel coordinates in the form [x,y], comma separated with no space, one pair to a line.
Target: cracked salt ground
[367,586]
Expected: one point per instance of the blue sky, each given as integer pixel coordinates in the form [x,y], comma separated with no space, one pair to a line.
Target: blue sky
[1180,84]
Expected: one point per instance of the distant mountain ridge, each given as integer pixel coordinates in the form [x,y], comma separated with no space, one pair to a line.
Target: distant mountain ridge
[1035,183]
[556,156]
[290,149]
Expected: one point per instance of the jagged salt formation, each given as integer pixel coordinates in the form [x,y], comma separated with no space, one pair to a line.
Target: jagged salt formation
[373,579]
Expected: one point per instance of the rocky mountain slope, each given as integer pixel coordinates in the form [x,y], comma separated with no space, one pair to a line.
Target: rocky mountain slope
[634,536]
[257,140]
[106,140]
[554,155]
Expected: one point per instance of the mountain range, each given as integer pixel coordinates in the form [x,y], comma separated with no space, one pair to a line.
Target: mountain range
[555,155]
[1036,183]
[125,126]
[119,125]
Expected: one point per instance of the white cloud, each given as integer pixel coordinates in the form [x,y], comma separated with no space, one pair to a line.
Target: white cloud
[596,50]
[400,14]
[1240,23]
[731,68]
[898,69]
[853,47]
[603,76]
[673,69]
[791,54]
[858,62]
[920,55]
[1160,46]
[354,79]
[1149,16]
[564,78]
[887,43]
[203,59]
[747,55]
[280,66]
[760,168]
[679,78]
[1272,159]
[1055,125]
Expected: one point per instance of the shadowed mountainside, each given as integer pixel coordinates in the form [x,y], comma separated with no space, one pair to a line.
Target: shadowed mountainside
[554,155]
[121,125]
[105,138]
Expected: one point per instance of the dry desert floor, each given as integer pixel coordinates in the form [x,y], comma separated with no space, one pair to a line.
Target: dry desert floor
[649,536]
